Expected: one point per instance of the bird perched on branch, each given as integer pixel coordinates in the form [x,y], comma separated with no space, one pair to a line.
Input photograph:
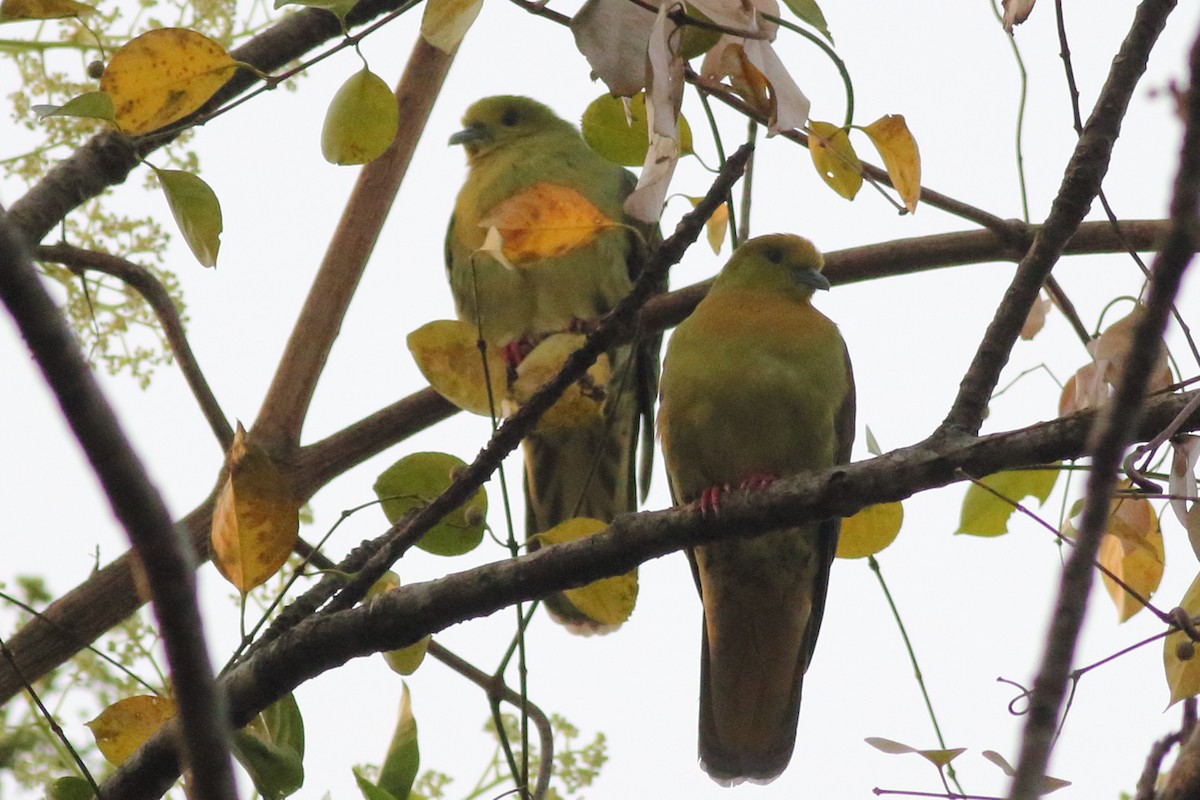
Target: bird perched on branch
[570,253]
[756,386]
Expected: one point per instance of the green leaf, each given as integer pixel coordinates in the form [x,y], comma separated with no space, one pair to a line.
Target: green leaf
[403,758]
[416,480]
[93,105]
[369,790]
[196,210]
[361,122]
[271,748]
[71,787]
[808,11]
[985,514]
[624,140]
[873,446]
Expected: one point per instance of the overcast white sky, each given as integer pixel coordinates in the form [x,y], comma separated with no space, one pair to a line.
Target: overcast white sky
[976,609]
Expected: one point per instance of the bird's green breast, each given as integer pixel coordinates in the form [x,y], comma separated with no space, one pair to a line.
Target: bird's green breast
[746,390]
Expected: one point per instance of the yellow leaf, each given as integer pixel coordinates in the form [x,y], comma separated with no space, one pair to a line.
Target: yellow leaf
[447,353]
[900,155]
[361,121]
[870,530]
[256,518]
[608,601]
[545,220]
[581,402]
[125,725]
[834,157]
[196,210]
[446,22]
[405,660]
[1183,675]
[43,9]
[716,226]
[415,481]
[162,76]
[985,514]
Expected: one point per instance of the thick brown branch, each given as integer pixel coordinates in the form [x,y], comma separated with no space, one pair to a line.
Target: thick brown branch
[326,641]
[164,554]
[286,404]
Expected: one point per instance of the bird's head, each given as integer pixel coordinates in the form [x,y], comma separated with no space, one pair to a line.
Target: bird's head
[496,122]
[776,262]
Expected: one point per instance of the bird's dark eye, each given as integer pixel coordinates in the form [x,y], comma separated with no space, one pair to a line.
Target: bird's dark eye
[774,255]
[511,117]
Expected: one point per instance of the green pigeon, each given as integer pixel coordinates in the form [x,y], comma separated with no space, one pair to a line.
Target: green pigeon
[756,386]
[524,159]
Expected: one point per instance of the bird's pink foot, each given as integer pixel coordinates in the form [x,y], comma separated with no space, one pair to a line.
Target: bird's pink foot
[757,481]
[710,499]
[515,351]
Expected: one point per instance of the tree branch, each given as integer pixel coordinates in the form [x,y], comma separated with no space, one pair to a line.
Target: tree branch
[1114,431]
[405,615]
[165,556]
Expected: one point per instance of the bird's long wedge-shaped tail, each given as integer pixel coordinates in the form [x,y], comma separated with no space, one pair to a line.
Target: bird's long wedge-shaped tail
[762,615]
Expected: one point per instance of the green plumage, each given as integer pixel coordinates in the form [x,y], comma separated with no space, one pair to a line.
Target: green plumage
[513,143]
[756,385]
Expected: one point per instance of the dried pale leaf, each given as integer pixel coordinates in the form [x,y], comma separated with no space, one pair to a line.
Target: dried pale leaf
[91,105]
[789,106]
[544,221]
[613,37]
[608,601]
[447,353]
[43,9]
[939,757]
[163,76]
[405,660]
[583,400]
[646,201]
[616,129]
[900,155]
[664,92]
[870,530]
[1181,483]
[361,121]
[986,514]
[728,59]
[1183,677]
[834,157]
[196,210]
[1085,389]
[417,480]
[1048,784]
[1015,12]
[446,22]
[740,15]
[1036,319]
[125,725]
[1112,348]
[256,518]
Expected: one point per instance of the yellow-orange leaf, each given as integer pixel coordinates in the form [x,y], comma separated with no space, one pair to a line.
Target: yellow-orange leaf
[870,530]
[545,220]
[125,725]
[716,226]
[256,519]
[581,402]
[1036,319]
[1132,549]
[900,155]
[834,157]
[447,353]
[43,9]
[446,22]
[1183,675]
[162,76]
[608,601]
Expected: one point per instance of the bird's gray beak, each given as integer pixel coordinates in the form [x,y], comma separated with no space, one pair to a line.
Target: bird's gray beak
[810,277]
[468,135]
